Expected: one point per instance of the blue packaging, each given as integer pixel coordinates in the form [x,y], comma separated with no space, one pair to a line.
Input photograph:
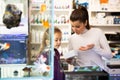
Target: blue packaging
[116,20]
[16,53]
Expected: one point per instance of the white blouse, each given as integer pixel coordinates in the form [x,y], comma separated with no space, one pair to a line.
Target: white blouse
[93,36]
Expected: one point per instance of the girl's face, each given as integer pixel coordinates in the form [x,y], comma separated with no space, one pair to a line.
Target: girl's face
[78,27]
[57,40]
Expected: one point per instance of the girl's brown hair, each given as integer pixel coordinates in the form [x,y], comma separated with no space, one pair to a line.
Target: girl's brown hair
[57,30]
[46,36]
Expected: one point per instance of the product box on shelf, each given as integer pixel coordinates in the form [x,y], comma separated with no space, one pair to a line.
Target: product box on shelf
[13,48]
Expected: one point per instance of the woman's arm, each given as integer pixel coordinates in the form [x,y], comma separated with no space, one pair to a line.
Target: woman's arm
[104,49]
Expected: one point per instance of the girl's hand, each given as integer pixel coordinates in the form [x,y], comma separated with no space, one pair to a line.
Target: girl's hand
[69,60]
[84,48]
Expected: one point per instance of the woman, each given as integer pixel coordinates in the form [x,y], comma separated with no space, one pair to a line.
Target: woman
[91,43]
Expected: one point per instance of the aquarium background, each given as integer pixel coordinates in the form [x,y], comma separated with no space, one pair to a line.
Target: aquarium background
[16,54]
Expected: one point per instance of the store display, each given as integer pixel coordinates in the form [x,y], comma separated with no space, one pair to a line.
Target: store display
[113,69]
[62,11]
[86,75]
[40,20]
[114,77]
[87,68]
[106,13]
[11,72]
[15,54]
[114,43]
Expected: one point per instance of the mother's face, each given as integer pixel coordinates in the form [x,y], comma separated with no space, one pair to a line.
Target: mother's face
[78,27]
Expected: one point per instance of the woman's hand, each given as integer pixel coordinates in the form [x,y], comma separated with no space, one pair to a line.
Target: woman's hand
[84,48]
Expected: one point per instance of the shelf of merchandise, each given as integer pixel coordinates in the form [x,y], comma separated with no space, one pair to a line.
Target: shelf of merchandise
[39,14]
[62,11]
[107,25]
[100,14]
[37,29]
[34,24]
[106,18]
[100,10]
[59,10]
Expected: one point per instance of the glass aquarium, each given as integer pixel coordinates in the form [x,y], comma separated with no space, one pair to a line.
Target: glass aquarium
[26,40]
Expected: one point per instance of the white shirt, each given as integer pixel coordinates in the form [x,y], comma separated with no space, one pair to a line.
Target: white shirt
[93,36]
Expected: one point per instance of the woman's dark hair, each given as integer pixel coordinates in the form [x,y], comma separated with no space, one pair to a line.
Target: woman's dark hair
[80,14]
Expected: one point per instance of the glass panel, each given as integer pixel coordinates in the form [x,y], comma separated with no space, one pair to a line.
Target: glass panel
[40,54]
[26,51]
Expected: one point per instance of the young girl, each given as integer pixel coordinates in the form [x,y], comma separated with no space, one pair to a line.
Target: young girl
[44,50]
[45,47]
[43,61]
[58,74]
